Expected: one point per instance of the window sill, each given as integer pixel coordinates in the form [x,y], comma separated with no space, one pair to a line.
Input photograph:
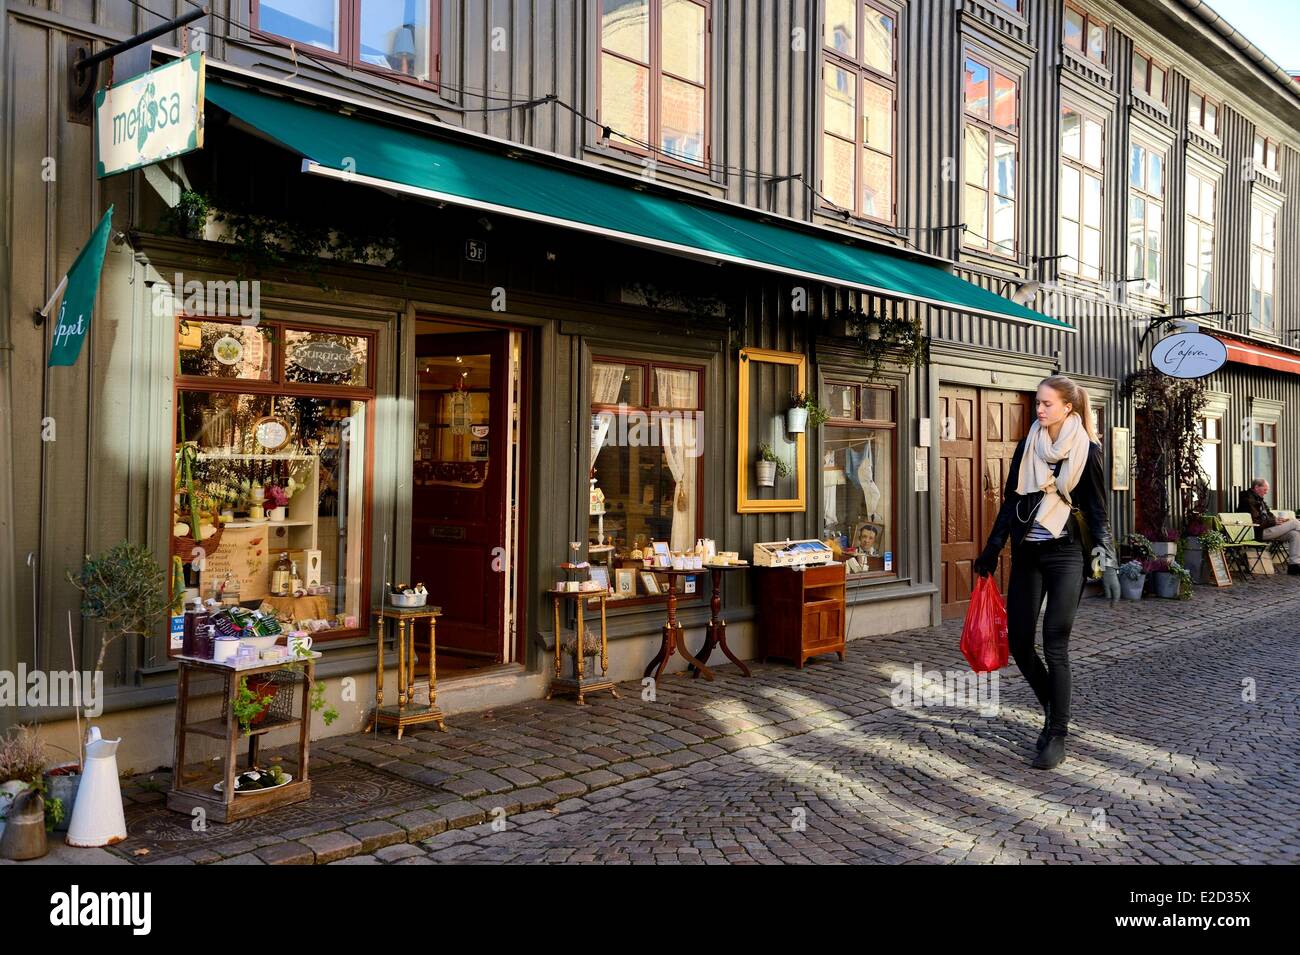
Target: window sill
[670,171]
[876,229]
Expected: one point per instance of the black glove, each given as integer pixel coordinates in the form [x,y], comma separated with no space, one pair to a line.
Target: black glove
[987,562]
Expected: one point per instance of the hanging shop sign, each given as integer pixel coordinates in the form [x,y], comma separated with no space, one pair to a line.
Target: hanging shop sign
[322,356]
[271,432]
[1191,355]
[152,117]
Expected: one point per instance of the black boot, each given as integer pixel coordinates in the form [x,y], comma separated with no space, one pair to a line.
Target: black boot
[1293,570]
[1047,723]
[1051,755]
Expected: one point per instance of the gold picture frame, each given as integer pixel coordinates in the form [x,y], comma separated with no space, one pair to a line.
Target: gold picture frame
[756,420]
[1119,459]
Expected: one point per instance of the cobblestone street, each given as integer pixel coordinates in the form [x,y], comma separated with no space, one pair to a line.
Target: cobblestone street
[1167,761]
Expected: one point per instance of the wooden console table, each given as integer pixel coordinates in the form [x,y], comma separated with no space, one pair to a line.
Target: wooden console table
[801,612]
[227,805]
[405,713]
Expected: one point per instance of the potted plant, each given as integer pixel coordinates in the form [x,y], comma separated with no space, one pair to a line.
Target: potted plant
[1182,580]
[770,467]
[22,764]
[126,590]
[1132,580]
[804,412]
[1163,580]
[1165,545]
[1192,548]
[1139,546]
[1212,541]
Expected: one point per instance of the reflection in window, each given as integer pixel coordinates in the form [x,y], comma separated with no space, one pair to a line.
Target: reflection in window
[1198,240]
[858,468]
[991,153]
[1081,193]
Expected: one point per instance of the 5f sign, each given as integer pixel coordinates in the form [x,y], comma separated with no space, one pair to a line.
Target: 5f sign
[150,118]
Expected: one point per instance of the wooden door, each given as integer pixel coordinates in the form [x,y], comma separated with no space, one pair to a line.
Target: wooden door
[980,430]
[459,497]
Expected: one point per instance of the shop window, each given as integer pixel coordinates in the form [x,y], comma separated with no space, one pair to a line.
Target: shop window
[1082,175]
[272,471]
[859,93]
[647,461]
[1211,458]
[1084,34]
[225,350]
[390,36]
[990,156]
[1149,78]
[859,491]
[1146,208]
[1263,249]
[654,70]
[1198,241]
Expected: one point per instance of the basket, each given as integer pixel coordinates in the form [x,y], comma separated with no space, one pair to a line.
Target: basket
[183,547]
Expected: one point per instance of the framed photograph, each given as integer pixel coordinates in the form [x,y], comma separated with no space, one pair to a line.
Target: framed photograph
[868,538]
[1219,575]
[650,582]
[1120,464]
[625,582]
[600,575]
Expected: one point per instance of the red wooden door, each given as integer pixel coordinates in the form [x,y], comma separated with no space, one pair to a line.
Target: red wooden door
[458,513]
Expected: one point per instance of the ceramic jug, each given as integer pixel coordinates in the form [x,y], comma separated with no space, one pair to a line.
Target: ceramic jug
[97,818]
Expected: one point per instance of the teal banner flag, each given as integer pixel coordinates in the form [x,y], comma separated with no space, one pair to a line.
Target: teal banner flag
[73,325]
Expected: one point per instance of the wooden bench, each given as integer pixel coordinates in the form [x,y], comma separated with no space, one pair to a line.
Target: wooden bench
[1241,548]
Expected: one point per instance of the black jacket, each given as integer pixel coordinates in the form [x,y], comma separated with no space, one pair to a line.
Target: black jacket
[1089,496]
[1260,515]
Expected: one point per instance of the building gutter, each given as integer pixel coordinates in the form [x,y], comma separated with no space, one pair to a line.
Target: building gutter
[1207,15]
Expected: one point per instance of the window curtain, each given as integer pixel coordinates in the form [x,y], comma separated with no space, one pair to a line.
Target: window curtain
[606,383]
[862,473]
[676,388]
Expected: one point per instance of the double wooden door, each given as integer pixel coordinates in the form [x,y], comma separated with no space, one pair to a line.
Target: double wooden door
[979,430]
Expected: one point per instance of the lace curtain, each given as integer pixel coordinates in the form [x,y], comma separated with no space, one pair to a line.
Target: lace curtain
[606,383]
[678,434]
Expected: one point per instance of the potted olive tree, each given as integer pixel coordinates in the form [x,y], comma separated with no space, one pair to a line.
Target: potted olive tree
[125,590]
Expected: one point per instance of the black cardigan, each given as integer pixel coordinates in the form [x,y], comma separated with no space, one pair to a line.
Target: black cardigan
[1089,497]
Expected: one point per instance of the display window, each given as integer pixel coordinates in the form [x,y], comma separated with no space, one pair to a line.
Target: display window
[271,485]
[858,468]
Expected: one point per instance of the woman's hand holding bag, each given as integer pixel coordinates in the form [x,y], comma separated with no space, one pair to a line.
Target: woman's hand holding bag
[984,634]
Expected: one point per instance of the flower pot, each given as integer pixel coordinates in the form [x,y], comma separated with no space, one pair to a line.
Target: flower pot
[1192,558]
[62,783]
[1164,550]
[1132,589]
[796,420]
[1166,585]
[766,473]
[278,514]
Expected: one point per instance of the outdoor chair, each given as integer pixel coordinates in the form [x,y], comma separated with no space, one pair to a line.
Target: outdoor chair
[1277,549]
[1241,547]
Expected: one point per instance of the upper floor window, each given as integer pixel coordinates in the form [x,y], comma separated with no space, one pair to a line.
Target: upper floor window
[858,95]
[1084,34]
[1198,240]
[1263,249]
[1148,77]
[1146,216]
[1266,153]
[390,36]
[1082,175]
[1202,113]
[1010,4]
[990,154]
[654,71]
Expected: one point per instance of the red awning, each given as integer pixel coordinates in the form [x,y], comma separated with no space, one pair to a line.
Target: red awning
[1261,356]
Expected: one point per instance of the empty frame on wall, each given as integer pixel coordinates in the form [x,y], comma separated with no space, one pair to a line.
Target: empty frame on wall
[767,380]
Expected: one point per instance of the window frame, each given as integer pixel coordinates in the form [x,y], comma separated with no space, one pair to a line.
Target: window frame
[647,366]
[1196,96]
[1257,249]
[1258,441]
[859,386]
[863,72]
[276,386]
[993,132]
[1084,168]
[1148,198]
[1264,146]
[654,118]
[349,54]
[1089,20]
[1152,65]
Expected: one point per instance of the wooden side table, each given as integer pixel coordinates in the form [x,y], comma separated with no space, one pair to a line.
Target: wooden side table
[227,806]
[673,639]
[583,646]
[405,713]
[716,634]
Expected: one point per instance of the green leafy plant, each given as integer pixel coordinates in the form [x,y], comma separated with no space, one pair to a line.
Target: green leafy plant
[190,214]
[765,453]
[1213,541]
[125,589]
[318,705]
[1184,579]
[248,705]
[54,813]
[1167,449]
[887,335]
[818,414]
[1140,546]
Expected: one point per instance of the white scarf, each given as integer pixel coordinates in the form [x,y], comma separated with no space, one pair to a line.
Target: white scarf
[1072,444]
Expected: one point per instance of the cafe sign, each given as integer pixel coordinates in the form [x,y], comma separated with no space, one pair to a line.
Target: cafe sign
[150,118]
[323,356]
[1190,355]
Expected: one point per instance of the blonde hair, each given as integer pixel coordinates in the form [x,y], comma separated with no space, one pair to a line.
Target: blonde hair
[1076,396]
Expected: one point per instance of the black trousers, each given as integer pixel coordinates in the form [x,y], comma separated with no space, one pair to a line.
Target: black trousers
[1052,571]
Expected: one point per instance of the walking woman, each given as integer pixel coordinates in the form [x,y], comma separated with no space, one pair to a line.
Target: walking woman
[1055,480]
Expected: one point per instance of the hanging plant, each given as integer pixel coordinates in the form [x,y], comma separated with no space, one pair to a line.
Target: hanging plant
[882,337]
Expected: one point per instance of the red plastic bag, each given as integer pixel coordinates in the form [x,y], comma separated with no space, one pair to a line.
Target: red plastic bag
[984,634]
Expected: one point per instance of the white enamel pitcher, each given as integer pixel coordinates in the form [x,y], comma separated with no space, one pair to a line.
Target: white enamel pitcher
[97,818]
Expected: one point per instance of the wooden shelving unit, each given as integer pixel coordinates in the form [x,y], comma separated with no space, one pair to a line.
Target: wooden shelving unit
[801,612]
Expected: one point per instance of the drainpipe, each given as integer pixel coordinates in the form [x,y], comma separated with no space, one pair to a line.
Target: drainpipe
[1253,53]
[8,559]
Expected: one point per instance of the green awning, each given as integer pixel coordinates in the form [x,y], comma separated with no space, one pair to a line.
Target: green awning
[440,168]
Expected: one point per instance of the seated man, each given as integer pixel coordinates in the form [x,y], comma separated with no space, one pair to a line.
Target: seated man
[1268,527]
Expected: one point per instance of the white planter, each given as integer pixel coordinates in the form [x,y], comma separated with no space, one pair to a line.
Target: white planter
[97,817]
[277,514]
[796,420]
[766,473]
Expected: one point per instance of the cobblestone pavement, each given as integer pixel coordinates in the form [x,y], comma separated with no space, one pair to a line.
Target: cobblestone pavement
[1183,749]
